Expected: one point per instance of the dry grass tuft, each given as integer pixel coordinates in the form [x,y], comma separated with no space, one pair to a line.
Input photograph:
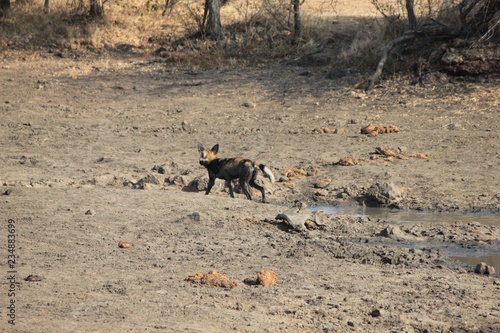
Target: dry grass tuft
[255,32]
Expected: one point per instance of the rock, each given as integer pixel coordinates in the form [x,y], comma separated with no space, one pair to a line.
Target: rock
[266,278]
[295,173]
[33,278]
[394,232]
[484,269]
[160,169]
[296,216]
[212,278]
[347,161]
[197,185]
[374,130]
[340,130]
[176,180]
[249,105]
[296,221]
[420,155]
[383,194]
[89,212]
[375,313]
[321,183]
[194,216]
[123,245]
[324,130]
[149,179]
[321,192]
[313,171]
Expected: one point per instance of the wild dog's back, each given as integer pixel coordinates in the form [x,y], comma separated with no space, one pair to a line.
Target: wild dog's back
[232,168]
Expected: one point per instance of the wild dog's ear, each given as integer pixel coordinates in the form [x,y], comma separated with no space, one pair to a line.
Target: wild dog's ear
[215,148]
[200,147]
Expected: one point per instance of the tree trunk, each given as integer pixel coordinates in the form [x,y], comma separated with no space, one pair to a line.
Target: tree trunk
[297,30]
[96,8]
[4,7]
[412,18]
[212,12]
[46,6]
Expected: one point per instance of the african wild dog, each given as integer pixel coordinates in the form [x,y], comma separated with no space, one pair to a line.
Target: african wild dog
[233,168]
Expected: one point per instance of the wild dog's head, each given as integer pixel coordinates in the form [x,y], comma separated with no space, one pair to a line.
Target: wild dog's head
[207,155]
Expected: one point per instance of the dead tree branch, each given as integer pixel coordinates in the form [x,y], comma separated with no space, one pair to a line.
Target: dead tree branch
[385,53]
[442,32]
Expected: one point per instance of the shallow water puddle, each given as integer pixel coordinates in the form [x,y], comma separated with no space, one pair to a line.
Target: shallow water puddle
[470,255]
[409,216]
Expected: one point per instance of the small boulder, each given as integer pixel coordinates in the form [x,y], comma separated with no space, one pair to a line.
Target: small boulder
[383,194]
[484,269]
[266,278]
[212,278]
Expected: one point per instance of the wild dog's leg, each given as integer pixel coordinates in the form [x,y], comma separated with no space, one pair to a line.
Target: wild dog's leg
[211,182]
[260,188]
[244,188]
[228,184]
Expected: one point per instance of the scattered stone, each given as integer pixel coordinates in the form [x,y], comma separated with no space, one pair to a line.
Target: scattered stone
[176,180]
[195,216]
[403,151]
[340,131]
[249,105]
[374,130]
[312,171]
[284,179]
[295,221]
[33,278]
[123,245]
[294,173]
[484,269]
[160,169]
[104,160]
[296,216]
[197,185]
[383,194]
[454,127]
[186,127]
[390,154]
[321,183]
[212,278]
[395,232]
[149,179]
[420,155]
[323,130]
[321,193]
[348,161]
[266,278]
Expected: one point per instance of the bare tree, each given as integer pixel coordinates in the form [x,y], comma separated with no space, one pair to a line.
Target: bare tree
[412,18]
[96,8]
[4,7]
[211,19]
[297,29]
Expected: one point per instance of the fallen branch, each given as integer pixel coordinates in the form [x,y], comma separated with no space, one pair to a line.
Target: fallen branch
[442,32]
[385,53]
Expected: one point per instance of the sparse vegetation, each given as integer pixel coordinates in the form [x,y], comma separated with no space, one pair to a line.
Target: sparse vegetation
[252,31]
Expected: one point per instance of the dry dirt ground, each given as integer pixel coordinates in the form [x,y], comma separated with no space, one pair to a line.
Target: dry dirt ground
[94,152]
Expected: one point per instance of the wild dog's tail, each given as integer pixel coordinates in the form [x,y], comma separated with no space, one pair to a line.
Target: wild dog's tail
[266,171]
